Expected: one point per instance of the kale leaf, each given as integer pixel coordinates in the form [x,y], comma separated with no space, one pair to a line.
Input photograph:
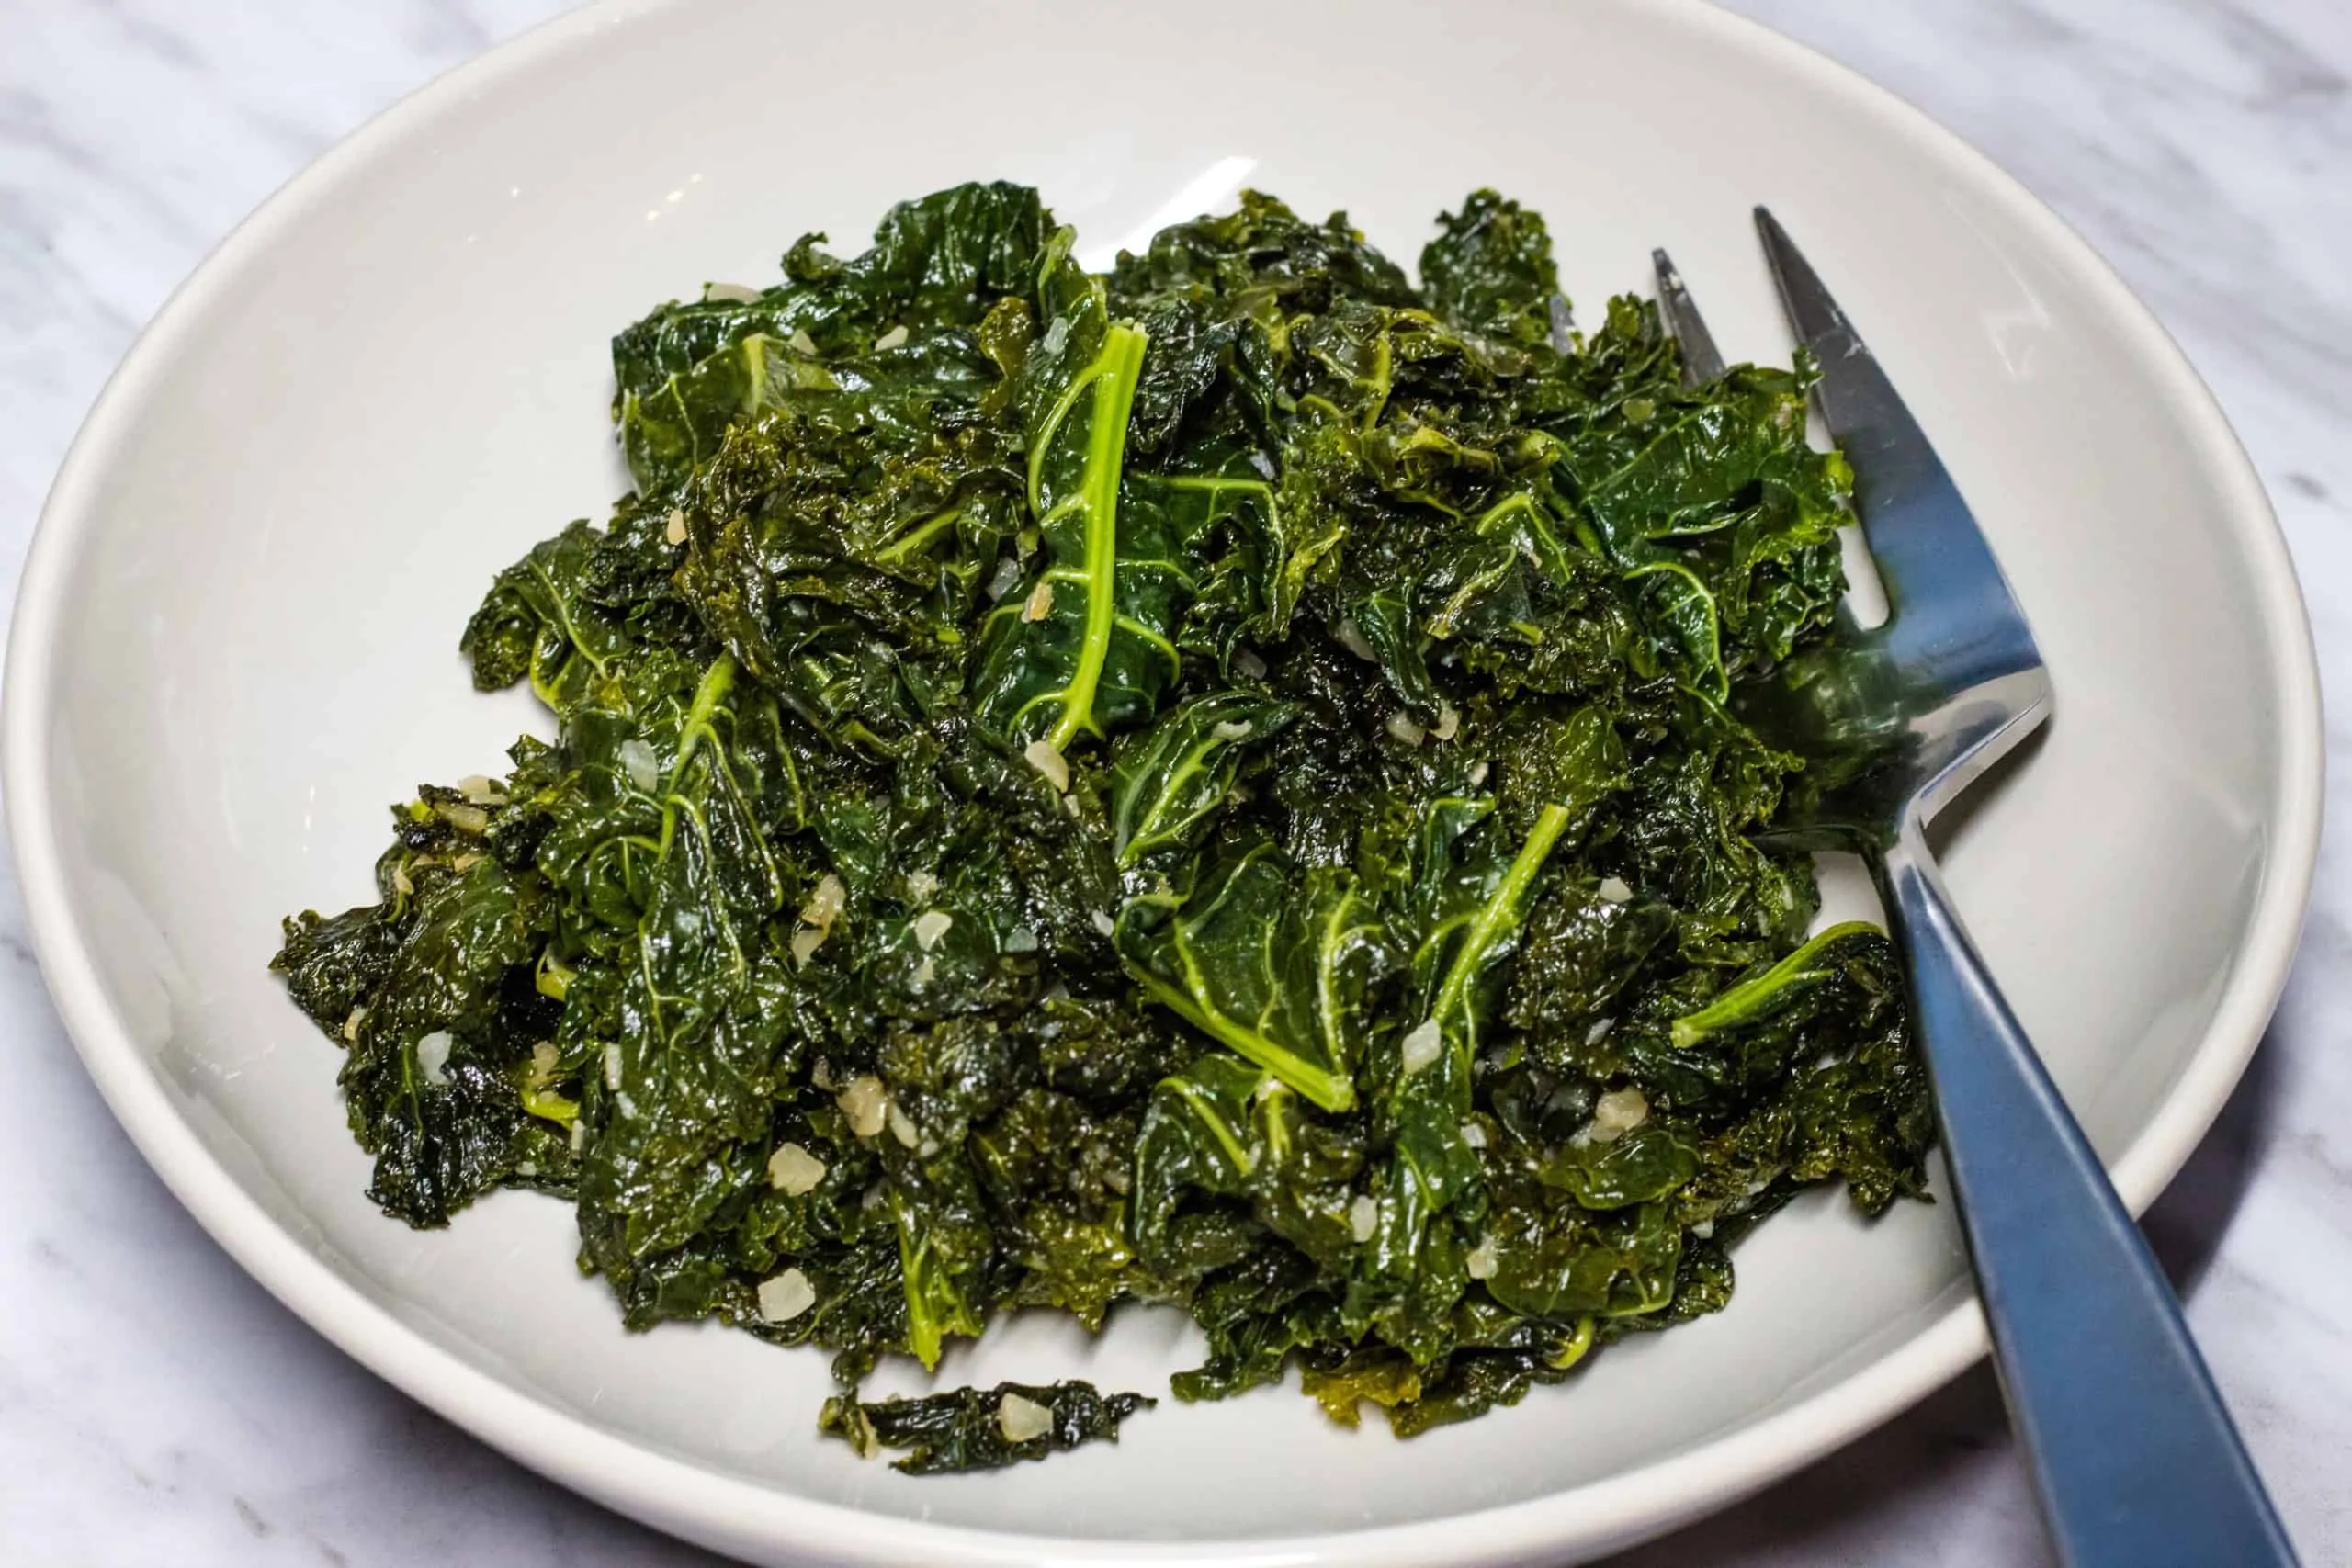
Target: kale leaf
[971,1428]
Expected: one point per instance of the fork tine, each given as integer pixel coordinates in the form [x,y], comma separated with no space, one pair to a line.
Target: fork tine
[1701,360]
[1563,322]
[1858,396]
[1952,610]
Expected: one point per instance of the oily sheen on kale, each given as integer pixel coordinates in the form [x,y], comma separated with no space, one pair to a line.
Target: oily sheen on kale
[1211,784]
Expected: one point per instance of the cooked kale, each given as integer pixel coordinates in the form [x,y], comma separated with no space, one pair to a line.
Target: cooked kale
[971,1428]
[1212,785]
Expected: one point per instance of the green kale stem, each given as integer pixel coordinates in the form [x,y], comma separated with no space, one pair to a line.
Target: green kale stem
[1114,373]
[1748,999]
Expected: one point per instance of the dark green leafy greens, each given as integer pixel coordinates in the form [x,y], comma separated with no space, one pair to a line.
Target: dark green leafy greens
[1212,785]
[971,1428]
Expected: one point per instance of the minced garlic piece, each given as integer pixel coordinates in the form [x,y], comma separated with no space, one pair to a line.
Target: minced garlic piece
[793,1170]
[1422,1045]
[1618,1112]
[786,1296]
[866,1104]
[1041,755]
[826,902]
[1022,1420]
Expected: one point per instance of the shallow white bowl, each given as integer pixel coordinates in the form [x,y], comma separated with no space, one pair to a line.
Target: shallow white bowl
[236,640]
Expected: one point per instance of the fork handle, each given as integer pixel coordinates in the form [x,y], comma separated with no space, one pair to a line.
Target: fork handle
[2133,1453]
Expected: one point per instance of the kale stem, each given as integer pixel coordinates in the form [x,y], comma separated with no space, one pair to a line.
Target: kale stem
[1120,366]
[1501,912]
[1742,1001]
[716,682]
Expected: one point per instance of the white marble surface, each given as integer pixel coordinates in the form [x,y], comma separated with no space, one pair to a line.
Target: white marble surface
[156,1407]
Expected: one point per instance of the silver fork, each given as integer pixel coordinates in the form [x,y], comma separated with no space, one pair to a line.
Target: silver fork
[2130,1449]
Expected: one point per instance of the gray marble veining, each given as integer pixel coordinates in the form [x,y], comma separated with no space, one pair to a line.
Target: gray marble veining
[157,1407]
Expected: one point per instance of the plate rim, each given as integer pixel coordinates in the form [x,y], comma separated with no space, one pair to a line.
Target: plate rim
[732,1513]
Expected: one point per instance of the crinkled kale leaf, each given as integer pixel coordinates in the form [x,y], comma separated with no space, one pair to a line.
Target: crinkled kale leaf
[971,1428]
[1212,785]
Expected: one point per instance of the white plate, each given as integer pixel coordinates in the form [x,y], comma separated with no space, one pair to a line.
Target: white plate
[236,640]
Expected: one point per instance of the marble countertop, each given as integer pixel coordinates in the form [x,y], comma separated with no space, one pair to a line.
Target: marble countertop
[156,1406]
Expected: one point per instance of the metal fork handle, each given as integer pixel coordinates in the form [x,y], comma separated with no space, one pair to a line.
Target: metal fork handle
[2133,1453]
